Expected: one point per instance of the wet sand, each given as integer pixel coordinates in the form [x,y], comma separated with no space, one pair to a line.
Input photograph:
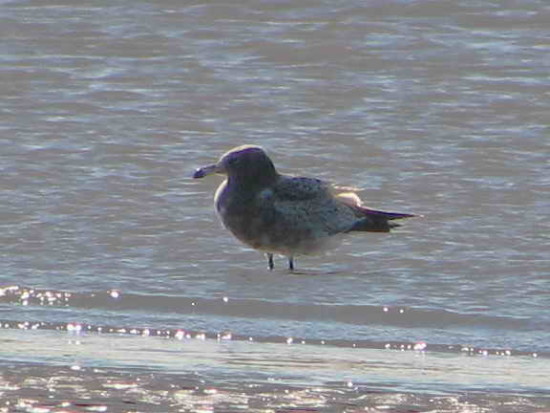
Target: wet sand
[55,389]
[82,371]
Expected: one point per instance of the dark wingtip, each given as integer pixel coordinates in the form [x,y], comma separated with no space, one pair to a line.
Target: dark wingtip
[389,215]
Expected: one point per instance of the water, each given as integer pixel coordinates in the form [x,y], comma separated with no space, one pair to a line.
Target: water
[120,290]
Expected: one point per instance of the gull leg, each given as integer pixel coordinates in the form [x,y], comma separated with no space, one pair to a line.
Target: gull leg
[270,264]
[291,263]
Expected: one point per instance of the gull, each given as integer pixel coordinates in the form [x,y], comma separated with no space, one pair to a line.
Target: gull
[287,215]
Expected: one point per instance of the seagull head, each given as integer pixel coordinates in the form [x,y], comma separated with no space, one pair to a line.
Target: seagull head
[248,163]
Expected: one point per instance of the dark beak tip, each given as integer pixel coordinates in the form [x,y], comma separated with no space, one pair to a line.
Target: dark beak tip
[199,173]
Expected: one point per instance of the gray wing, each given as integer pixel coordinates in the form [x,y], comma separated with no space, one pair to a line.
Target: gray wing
[307,205]
[290,188]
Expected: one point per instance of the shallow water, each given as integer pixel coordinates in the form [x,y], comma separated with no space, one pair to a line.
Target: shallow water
[115,269]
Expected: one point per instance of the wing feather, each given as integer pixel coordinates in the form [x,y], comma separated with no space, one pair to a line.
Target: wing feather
[290,188]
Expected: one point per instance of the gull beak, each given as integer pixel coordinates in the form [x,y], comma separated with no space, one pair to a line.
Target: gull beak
[207,170]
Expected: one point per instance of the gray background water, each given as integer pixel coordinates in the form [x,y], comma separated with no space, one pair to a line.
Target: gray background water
[439,108]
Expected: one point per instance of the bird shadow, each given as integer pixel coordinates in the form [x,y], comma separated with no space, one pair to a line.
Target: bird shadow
[315,272]
[312,272]
[297,273]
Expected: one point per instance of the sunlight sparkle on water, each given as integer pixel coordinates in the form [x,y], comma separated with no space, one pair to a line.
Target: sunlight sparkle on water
[225,335]
[114,293]
[74,327]
[421,345]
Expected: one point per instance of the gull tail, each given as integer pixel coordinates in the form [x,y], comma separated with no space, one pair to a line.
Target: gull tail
[373,220]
